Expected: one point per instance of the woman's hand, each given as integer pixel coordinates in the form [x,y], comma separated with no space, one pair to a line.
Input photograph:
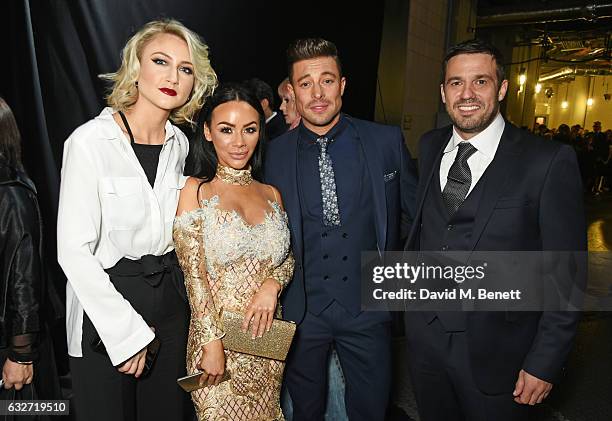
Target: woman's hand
[16,375]
[260,312]
[134,365]
[212,363]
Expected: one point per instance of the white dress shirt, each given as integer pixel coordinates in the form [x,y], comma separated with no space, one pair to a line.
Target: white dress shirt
[271,117]
[107,211]
[485,142]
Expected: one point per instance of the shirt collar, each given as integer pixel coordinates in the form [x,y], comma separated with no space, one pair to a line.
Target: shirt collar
[271,117]
[485,142]
[109,129]
[311,137]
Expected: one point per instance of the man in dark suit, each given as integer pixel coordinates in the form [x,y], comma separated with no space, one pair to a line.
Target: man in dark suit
[348,186]
[275,122]
[487,185]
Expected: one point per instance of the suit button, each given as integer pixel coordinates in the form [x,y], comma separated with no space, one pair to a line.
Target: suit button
[344,258]
[450,227]
[344,278]
[325,278]
[444,248]
[325,256]
[345,235]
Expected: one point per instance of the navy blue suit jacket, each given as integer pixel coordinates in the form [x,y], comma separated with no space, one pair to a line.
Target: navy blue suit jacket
[532,200]
[393,178]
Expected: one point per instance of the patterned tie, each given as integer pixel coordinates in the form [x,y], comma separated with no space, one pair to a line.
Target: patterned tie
[331,214]
[459,178]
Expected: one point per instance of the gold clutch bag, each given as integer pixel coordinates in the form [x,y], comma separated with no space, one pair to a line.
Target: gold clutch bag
[274,344]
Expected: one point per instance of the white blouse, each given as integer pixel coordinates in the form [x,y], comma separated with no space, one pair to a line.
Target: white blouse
[107,211]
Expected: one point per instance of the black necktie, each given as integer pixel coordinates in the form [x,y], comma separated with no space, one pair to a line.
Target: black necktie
[459,178]
[331,213]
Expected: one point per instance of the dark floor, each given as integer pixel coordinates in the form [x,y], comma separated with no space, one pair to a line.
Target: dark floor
[585,392]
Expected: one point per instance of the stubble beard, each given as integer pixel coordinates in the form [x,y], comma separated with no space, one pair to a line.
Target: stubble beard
[475,124]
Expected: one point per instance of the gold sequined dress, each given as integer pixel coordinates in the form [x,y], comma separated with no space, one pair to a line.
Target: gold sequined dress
[224,261]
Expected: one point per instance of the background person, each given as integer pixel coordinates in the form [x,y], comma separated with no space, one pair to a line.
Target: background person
[288,107]
[26,304]
[275,125]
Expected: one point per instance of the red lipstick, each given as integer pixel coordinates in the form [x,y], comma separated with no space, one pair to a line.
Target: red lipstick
[168,91]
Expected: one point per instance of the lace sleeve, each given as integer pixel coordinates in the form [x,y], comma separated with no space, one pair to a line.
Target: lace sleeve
[189,247]
[284,272]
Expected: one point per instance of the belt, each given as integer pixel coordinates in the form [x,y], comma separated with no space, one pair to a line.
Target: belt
[152,269]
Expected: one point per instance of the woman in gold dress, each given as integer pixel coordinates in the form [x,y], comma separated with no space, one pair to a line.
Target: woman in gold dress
[232,240]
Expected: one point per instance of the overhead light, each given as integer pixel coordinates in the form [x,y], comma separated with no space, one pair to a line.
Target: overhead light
[564,104]
[590,102]
[538,88]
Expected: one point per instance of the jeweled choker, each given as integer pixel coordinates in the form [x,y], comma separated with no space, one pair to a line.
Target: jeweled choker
[233,176]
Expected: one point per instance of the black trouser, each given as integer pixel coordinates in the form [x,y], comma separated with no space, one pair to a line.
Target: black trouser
[101,392]
[441,374]
[363,344]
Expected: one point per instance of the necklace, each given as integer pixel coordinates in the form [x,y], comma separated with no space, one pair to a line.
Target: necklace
[232,176]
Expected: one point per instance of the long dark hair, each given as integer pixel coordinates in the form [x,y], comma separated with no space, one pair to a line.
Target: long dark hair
[202,155]
[10,139]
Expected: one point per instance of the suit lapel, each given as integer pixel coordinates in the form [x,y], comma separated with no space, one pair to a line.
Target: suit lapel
[495,178]
[374,162]
[429,166]
[291,196]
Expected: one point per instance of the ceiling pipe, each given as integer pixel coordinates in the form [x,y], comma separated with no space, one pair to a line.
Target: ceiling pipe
[591,12]
[570,71]
[564,71]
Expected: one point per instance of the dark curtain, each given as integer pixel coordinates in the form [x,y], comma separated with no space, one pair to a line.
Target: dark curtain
[56,48]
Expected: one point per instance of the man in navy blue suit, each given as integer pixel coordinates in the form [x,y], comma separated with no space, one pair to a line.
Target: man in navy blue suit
[488,186]
[348,186]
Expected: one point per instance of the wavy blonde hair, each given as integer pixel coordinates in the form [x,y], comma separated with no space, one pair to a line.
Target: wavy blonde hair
[124,92]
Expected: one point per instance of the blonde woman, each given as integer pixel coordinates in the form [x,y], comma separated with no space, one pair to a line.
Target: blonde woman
[127,313]
[288,108]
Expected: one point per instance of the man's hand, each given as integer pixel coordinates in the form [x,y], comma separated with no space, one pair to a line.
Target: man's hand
[16,375]
[530,390]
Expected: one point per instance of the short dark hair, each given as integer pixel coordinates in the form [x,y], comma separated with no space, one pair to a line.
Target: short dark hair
[308,48]
[261,90]
[10,139]
[477,46]
[202,157]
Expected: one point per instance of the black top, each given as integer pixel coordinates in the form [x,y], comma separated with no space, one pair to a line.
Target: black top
[148,156]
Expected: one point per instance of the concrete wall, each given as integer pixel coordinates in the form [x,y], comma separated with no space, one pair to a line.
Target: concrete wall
[416,34]
[426,48]
[413,45]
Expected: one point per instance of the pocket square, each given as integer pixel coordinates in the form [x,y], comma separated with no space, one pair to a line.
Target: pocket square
[390,176]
